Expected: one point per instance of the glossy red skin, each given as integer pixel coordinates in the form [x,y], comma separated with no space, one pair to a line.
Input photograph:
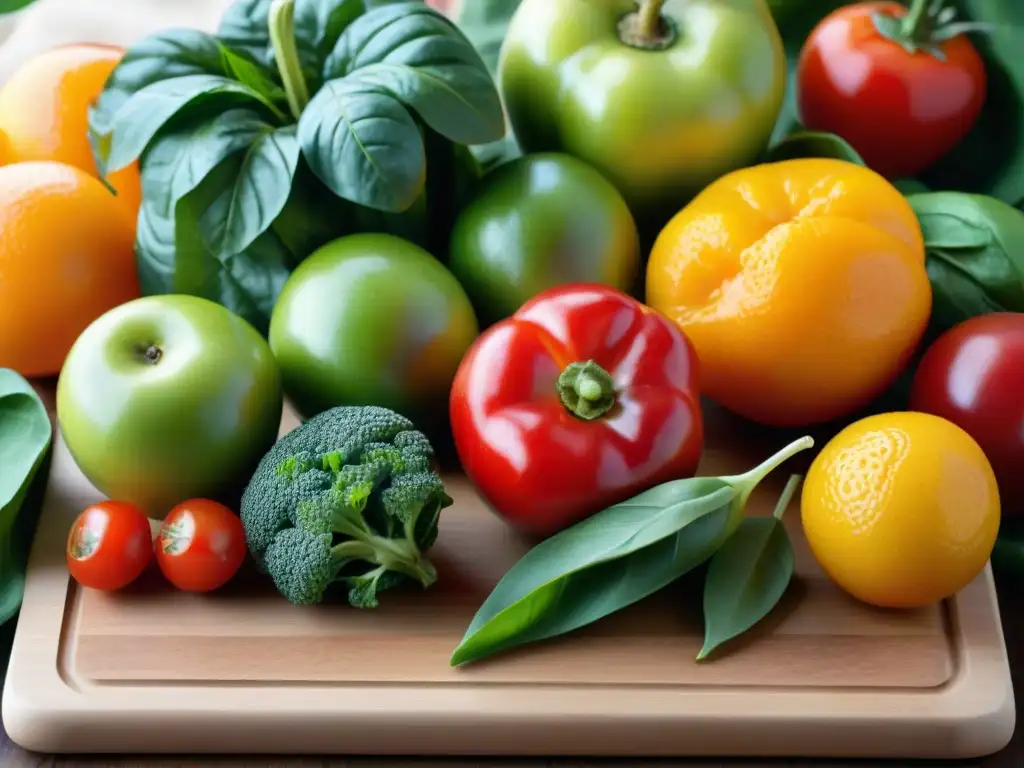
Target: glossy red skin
[972,376]
[124,547]
[539,466]
[215,552]
[902,113]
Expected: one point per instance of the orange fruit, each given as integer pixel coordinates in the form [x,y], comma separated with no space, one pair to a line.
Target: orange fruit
[44,111]
[66,257]
[901,510]
[801,284]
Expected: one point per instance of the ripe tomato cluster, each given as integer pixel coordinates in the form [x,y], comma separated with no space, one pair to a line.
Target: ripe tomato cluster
[199,546]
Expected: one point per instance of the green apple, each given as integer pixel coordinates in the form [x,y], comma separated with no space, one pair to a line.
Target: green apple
[167,398]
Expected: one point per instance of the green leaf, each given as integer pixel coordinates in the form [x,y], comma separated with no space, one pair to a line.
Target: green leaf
[25,439]
[243,27]
[146,112]
[485,23]
[990,160]
[249,73]
[257,197]
[364,145]
[974,248]
[748,576]
[10,6]
[177,162]
[602,564]
[173,257]
[813,144]
[421,58]
[161,56]
[910,186]
[1008,553]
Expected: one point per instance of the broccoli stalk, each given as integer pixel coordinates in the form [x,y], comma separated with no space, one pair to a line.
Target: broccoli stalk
[350,497]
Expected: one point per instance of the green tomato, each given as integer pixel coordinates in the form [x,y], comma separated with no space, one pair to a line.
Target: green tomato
[662,98]
[541,221]
[371,319]
[168,398]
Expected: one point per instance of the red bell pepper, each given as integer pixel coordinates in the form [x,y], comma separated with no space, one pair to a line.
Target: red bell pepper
[582,399]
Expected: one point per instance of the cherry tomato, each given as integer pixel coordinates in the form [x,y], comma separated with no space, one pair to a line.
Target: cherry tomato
[901,111]
[201,545]
[972,376]
[109,545]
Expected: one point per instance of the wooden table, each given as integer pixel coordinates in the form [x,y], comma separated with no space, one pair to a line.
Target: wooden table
[1011,598]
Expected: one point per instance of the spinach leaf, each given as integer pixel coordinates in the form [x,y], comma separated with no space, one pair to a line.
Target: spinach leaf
[813,144]
[146,112]
[25,440]
[974,246]
[601,565]
[357,133]
[612,559]
[748,576]
[485,23]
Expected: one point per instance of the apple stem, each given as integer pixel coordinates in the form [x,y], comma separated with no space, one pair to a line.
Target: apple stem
[649,18]
[647,29]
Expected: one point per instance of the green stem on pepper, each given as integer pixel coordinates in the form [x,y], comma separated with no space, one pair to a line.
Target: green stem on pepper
[587,390]
[281,24]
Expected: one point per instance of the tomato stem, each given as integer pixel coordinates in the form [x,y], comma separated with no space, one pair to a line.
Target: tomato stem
[281,23]
[916,20]
[586,389]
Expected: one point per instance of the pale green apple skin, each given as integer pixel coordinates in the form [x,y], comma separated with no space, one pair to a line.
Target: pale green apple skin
[193,424]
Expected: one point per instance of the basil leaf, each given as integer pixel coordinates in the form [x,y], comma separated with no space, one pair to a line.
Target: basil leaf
[600,565]
[485,24]
[243,27]
[421,58]
[25,440]
[974,248]
[364,145]
[746,578]
[813,144]
[176,163]
[164,55]
[146,112]
[257,196]
[990,160]
[173,257]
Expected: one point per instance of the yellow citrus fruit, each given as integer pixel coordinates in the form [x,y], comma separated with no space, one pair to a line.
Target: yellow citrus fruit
[901,510]
[44,111]
[66,257]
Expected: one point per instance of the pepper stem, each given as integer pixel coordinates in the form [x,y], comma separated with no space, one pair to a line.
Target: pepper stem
[281,24]
[649,18]
[586,389]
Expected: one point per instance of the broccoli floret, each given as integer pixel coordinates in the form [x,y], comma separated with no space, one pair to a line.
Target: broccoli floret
[349,498]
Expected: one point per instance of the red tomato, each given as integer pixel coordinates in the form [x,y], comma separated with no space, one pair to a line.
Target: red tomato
[109,545]
[900,111]
[972,376]
[583,398]
[201,545]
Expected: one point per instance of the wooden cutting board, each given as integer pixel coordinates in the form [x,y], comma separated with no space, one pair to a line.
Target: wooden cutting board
[243,671]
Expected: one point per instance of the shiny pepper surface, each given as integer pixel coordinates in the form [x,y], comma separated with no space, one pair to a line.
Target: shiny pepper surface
[802,285]
[582,399]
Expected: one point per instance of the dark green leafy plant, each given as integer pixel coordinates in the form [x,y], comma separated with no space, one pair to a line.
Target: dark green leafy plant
[613,559]
[25,438]
[297,122]
[974,247]
[748,575]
